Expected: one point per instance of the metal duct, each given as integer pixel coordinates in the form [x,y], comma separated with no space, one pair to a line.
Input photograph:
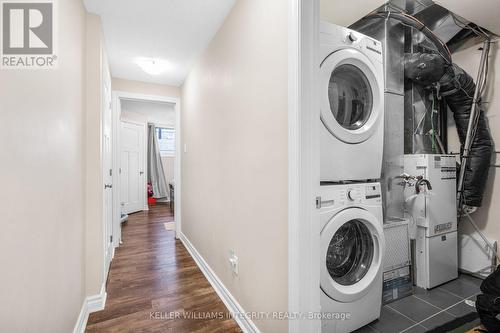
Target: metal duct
[391,34]
[411,21]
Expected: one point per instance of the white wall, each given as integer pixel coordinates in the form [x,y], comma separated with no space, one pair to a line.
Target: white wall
[42,200]
[488,216]
[168,168]
[235,172]
[134,117]
[155,112]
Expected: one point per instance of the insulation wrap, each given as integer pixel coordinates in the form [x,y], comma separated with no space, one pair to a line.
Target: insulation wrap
[458,87]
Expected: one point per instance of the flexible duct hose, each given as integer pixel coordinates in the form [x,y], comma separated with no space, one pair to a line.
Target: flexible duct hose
[458,88]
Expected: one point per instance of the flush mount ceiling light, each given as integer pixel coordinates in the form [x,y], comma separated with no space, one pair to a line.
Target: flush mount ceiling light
[153,66]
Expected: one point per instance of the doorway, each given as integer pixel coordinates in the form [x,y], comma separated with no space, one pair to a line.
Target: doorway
[148,155]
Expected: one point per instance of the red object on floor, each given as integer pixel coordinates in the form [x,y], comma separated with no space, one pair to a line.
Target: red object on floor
[151,201]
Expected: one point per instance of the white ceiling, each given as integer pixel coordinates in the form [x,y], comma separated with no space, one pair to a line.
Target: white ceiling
[174,30]
[485,13]
[345,13]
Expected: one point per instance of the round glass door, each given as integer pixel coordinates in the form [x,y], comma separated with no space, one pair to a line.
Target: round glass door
[350,253]
[350,96]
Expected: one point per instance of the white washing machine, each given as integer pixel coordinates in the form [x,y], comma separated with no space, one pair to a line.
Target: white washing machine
[352,105]
[352,250]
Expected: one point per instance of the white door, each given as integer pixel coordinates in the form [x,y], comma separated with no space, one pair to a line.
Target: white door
[107,171]
[352,246]
[132,167]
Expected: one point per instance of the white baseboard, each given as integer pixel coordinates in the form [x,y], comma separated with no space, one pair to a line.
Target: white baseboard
[90,304]
[245,323]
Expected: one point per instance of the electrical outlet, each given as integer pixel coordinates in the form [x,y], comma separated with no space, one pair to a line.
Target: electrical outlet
[234,262]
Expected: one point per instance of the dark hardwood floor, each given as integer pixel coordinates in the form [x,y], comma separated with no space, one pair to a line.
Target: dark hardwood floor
[154,284]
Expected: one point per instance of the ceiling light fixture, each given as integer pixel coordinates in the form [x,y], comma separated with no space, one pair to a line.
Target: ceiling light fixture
[153,66]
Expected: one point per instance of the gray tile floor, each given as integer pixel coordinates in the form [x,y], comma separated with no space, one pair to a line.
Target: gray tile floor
[427,309]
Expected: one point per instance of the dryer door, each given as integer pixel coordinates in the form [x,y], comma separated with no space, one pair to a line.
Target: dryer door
[352,244]
[351,96]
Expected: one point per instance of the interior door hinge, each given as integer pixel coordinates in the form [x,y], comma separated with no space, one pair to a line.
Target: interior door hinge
[111,239]
[110,172]
[318,202]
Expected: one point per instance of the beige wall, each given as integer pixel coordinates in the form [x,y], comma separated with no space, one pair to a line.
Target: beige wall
[94,232]
[489,214]
[145,88]
[42,181]
[235,171]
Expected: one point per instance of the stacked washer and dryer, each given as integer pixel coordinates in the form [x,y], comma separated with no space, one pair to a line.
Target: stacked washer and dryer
[352,130]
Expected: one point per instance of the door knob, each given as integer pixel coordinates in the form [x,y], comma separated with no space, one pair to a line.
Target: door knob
[141,173]
[108,186]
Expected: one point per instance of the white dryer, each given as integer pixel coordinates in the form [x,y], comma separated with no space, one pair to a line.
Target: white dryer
[352,250]
[351,90]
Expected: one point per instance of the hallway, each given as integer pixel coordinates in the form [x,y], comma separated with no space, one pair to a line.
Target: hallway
[152,275]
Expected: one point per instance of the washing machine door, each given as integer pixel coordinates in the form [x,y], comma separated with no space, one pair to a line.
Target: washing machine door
[351,95]
[352,244]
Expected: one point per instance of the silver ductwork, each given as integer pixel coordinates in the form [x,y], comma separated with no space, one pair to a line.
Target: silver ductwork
[416,117]
[391,33]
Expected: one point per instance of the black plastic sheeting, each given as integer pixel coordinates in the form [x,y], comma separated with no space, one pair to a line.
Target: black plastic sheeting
[457,87]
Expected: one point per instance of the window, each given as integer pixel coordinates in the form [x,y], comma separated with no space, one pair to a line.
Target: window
[166,140]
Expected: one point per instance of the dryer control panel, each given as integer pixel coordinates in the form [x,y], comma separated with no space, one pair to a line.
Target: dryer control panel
[333,196]
[340,37]
[363,43]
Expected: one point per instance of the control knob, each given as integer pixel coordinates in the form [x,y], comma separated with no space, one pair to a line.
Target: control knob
[352,37]
[351,195]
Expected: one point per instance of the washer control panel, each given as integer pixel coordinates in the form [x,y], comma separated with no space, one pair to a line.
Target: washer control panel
[354,194]
[333,196]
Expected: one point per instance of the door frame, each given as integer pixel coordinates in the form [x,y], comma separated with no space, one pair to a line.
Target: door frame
[303,164]
[123,95]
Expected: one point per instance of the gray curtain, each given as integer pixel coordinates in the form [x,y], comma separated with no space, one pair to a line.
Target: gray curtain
[156,176]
